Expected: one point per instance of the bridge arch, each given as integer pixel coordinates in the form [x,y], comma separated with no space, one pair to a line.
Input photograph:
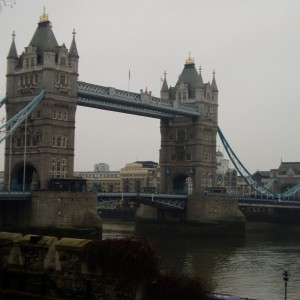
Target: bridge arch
[31,180]
[182,184]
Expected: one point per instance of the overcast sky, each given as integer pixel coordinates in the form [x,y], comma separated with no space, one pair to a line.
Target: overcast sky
[253,45]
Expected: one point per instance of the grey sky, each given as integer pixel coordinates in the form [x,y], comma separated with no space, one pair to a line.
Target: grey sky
[254,46]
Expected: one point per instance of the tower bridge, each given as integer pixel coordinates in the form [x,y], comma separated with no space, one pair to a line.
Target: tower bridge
[42,147]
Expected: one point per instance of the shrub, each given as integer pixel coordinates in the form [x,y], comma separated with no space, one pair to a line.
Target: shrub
[134,259]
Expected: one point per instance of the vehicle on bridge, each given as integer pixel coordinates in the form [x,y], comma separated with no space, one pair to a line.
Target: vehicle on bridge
[68,185]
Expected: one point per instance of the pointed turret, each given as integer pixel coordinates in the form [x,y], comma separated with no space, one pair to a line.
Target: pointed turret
[12,54]
[73,54]
[12,58]
[164,92]
[214,83]
[200,77]
[73,49]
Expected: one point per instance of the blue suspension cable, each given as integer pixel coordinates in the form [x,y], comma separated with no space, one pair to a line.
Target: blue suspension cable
[3,101]
[21,116]
[242,170]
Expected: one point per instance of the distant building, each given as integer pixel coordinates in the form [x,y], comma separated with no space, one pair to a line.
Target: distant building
[101,167]
[140,176]
[286,176]
[105,182]
[222,163]
[262,177]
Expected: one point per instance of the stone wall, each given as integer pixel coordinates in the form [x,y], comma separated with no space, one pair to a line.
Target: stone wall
[213,208]
[64,209]
[52,211]
[34,266]
[204,215]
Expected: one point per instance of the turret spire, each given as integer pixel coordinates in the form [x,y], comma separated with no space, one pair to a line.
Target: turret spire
[214,83]
[44,17]
[164,87]
[200,77]
[13,50]
[189,60]
[73,49]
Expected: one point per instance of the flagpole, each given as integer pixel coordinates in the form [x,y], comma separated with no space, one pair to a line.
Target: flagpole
[160,84]
[129,81]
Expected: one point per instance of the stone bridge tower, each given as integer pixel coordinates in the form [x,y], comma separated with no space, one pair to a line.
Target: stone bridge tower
[188,164]
[43,147]
[188,146]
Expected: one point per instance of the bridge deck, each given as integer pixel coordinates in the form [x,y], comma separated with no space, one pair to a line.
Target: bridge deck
[108,98]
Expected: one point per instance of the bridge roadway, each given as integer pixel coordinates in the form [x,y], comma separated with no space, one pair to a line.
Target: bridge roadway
[157,200]
[277,203]
[160,200]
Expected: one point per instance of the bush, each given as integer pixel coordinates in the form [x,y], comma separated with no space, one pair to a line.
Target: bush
[131,258]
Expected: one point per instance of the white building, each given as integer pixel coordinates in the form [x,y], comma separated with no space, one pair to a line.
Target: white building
[222,163]
[101,167]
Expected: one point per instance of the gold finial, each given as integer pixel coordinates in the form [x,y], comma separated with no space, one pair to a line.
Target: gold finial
[13,35]
[44,17]
[189,61]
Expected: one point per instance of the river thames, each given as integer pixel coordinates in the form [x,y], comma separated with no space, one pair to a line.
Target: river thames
[249,267]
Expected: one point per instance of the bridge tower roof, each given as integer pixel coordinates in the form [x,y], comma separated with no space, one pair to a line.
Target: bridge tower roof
[190,76]
[43,37]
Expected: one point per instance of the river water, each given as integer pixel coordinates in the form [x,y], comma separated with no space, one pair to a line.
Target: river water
[249,267]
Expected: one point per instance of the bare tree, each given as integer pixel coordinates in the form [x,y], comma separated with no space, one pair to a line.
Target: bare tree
[9,3]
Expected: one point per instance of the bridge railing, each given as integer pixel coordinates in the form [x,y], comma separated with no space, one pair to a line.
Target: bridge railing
[167,200]
[90,92]
[8,195]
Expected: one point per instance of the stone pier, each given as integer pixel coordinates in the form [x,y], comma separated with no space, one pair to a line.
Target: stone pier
[59,213]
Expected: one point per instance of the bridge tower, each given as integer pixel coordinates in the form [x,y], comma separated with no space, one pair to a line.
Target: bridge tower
[43,147]
[188,163]
[188,146]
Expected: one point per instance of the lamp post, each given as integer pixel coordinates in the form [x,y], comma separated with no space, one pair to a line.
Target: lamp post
[285,277]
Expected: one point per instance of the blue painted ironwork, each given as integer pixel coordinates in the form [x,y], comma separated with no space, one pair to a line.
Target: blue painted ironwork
[248,178]
[270,183]
[269,202]
[11,125]
[15,196]
[3,101]
[163,200]
[108,98]
[290,192]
